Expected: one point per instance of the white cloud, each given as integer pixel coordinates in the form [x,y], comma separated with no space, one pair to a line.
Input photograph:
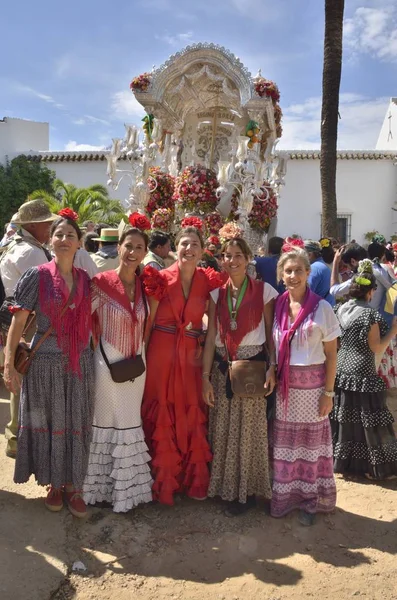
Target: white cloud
[177,39]
[358,129]
[126,106]
[373,31]
[28,90]
[73,146]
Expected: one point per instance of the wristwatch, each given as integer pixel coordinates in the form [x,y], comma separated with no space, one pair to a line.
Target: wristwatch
[329,394]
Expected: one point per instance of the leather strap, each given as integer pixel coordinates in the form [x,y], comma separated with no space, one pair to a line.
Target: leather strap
[51,329]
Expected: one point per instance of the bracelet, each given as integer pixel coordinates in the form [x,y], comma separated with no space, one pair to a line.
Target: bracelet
[207,373]
[329,394]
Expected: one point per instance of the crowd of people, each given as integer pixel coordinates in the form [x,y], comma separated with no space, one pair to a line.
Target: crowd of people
[202,371]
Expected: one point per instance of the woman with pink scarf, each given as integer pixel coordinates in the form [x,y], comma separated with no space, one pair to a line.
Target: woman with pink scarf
[305,335]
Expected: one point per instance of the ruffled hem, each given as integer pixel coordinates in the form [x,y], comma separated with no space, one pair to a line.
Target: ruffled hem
[356,383]
[172,471]
[368,419]
[118,471]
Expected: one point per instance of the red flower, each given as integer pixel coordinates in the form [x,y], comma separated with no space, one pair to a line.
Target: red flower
[292,243]
[154,283]
[68,213]
[139,221]
[192,222]
[213,239]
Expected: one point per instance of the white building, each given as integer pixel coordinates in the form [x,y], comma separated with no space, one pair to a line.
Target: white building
[366,180]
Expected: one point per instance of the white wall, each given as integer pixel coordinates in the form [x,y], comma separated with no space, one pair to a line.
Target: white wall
[387,139]
[20,137]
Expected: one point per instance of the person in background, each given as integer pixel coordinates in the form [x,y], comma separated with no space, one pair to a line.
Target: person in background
[10,230]
[394,249]
[363,437]
[327,251]
[107,256]
[320,276]
[89,226]
[388,261]
[350,255]
[89,242]
[266,266]
[159,248]
[305,335]
[26,250]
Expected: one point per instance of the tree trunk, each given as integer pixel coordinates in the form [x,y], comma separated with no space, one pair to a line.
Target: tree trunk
[332,70]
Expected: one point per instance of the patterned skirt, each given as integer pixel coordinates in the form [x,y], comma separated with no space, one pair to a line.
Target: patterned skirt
[238,438]
[302,447]
[388,365]
[363,435]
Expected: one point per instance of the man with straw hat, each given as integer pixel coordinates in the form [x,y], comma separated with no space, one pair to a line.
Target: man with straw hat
[26,250]
[107,257]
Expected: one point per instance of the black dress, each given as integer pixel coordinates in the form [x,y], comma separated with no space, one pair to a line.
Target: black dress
[362,425]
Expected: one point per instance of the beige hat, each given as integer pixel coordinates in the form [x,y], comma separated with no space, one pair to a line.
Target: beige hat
[34,211]
[108,235]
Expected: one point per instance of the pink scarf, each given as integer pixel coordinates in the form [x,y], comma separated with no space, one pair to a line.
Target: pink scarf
[308,307]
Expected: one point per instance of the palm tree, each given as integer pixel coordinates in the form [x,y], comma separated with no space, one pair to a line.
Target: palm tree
[91,203]
[332,70]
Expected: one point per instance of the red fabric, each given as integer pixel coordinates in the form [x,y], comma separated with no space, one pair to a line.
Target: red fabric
[73,330]
[173,411]
[154,282]
[249,315]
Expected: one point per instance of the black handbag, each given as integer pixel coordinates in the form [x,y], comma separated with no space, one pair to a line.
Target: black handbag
[127,369]
[6,314]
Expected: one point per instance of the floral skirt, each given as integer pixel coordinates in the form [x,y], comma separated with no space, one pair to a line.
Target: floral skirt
[238,438]
[302,447]
[388,366]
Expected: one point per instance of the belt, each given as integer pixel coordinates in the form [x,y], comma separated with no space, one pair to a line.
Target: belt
[192,333]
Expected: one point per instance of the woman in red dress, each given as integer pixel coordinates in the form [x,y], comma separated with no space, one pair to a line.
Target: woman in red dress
[174,414]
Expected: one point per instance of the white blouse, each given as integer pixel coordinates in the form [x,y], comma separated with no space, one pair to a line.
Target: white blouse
[307,343]
[257,337]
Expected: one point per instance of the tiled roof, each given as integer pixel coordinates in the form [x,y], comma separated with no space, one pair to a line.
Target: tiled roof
[343,154]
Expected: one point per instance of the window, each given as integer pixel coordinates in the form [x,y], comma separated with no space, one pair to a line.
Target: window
[344,227]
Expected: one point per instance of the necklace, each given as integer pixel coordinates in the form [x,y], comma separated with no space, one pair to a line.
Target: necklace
[233,312]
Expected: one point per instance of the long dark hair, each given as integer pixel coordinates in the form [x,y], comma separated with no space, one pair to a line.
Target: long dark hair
[134,231]
[70,222]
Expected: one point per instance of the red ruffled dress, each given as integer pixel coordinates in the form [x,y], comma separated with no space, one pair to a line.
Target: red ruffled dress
[174,414]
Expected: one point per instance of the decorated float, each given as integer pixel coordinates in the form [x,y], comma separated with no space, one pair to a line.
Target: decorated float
[206,151]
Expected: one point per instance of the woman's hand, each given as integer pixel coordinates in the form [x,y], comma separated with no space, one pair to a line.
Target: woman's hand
[325,406]
[208,393]
[270,380]
[12,379]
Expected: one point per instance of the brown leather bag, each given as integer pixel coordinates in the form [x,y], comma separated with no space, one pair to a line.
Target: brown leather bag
[247,377]
[24,353]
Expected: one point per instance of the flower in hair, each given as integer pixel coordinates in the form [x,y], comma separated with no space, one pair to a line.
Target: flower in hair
[68,213]
[325,242]
[139,221]
[291,243]
[229,231]
[379,239]
[362,281]
[213,239]
[192,222]
[365,266]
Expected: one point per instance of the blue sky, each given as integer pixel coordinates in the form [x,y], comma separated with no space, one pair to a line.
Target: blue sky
[71,63]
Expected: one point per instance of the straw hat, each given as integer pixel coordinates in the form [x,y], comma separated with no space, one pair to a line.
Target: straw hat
[34,211]
[108,235]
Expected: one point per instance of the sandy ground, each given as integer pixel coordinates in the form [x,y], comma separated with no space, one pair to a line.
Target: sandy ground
[192,551]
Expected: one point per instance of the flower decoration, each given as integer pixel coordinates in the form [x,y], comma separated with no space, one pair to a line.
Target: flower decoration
[379,239]
[139,221]
[154,283]
[252,130]
[265,87]
[213,222]
[292,243]
[213,239]
[278,115]
[192,222]
[365,266]
[141,83]
[229,231]
[264,209]
[362,280]
[325,242]
[162,219]
[68,213]
[161,186]
[234,214]
[195,189]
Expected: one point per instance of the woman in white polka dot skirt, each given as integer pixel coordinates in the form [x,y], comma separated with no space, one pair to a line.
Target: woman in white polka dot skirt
[118,469]
[363,436]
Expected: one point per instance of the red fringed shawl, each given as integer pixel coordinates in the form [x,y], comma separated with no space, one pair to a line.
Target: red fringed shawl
[249,315]
[73,330]
[120,324]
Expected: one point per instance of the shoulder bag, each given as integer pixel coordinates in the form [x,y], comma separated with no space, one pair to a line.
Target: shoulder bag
[24,353]
[247,377]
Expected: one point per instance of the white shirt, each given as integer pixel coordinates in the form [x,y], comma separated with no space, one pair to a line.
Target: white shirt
[257,337]
[17,260]
[105,264]
[83,260]
[307,343]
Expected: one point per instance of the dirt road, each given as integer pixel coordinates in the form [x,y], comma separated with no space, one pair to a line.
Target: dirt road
[192,551]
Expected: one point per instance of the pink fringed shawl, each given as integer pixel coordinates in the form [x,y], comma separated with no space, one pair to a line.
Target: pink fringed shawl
[73,330]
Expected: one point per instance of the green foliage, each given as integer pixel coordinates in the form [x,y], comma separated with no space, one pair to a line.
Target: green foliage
[370,234]
[18,179]
[91,203]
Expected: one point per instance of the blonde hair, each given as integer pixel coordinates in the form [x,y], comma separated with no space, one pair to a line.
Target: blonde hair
[295,254]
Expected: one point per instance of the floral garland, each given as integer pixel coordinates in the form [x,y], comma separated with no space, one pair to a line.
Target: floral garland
[195,189]
[263,209]
[213,222]
[278,115]
[162,219]
[161,186]
[141,83]
[265,87]
[234,215]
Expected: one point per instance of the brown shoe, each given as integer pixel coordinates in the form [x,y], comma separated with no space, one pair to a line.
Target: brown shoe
[76,504]
[54,500]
